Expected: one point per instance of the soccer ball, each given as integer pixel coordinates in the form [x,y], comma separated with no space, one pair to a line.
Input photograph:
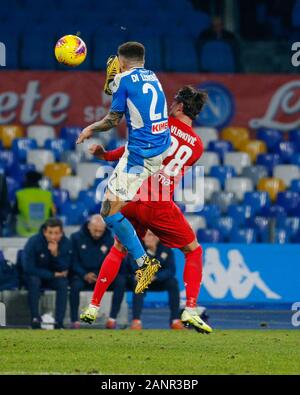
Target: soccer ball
[70,50]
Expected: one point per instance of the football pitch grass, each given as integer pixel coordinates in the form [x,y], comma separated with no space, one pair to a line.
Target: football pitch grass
[94,351]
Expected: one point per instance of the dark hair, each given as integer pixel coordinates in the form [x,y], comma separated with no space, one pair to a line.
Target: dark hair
[32,179]
[53,223]
[132,50]
[192,99]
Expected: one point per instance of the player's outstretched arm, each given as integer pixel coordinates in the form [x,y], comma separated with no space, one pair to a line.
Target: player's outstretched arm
[99,152]
[111,120]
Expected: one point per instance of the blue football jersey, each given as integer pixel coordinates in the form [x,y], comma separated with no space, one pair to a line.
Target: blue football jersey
[139,94]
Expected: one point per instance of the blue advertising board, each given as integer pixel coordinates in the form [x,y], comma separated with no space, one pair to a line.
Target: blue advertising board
[242,274]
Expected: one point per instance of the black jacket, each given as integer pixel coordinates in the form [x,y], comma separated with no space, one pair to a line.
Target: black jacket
[37,259]
[88,253]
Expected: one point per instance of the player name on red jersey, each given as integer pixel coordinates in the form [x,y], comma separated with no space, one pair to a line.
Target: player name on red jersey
[183,135]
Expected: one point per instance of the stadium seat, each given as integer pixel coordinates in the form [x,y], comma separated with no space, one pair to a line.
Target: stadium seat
[8,160]
[221,147]
[269,161]
[239,186]
[10,132]
[103,42]
[257,200]
[290,201]
[225,226]
[207,135]
[88,173]
[254,148]
[240,213]
[55,171]
[295,159]
[73,158]
[70,133]
[75,213]
[261,225]
[286,150]
[291,225]
[222,173]
[270,136]
[287,173]
[275,211]
[210,213]
[196,222]
[57,146]
[72,184]
[174,45]
[217,56]
[208,236]
[88,198]
[12,187]
[18,171]
[41,133]
[211,185]
[271,185]
[208,160]
[238,160]
[40,158]
[295,186]
[281,236]
[236,135]
[255,173]
[60,196]
[21,146]
[223,200]
[244,236]
[294,136]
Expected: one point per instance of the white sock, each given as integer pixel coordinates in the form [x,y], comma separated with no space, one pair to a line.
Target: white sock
[94,306]
[140,261]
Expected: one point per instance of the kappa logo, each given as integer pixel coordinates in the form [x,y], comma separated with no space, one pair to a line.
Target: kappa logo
[220,106]
[237,278]
[103,280]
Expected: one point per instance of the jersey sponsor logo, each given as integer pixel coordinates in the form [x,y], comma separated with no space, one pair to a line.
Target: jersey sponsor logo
[220,107]
[160,127]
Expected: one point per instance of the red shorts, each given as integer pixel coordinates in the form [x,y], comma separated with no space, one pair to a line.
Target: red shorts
[164,219]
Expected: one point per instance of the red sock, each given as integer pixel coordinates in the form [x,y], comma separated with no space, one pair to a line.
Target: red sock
[192,276]
[108,272]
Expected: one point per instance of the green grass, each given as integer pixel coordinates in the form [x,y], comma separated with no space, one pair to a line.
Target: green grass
[149,352]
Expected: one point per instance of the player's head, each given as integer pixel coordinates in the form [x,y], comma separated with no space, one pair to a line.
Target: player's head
[53,230]
[188,101]
[96,226]
[131,54]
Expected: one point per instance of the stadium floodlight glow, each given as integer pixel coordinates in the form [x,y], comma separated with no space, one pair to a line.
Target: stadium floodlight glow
[296,56]
[2,55]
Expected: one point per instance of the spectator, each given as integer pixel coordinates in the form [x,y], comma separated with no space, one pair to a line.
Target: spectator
[46,261]
[33,205]
[217,31]
[163,281]
[4,202]
[90,246]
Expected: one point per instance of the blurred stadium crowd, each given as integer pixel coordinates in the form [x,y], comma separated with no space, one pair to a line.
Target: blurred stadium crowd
[167,28]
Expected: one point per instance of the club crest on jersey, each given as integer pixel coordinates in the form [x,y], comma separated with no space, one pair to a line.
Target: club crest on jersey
[160,127]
